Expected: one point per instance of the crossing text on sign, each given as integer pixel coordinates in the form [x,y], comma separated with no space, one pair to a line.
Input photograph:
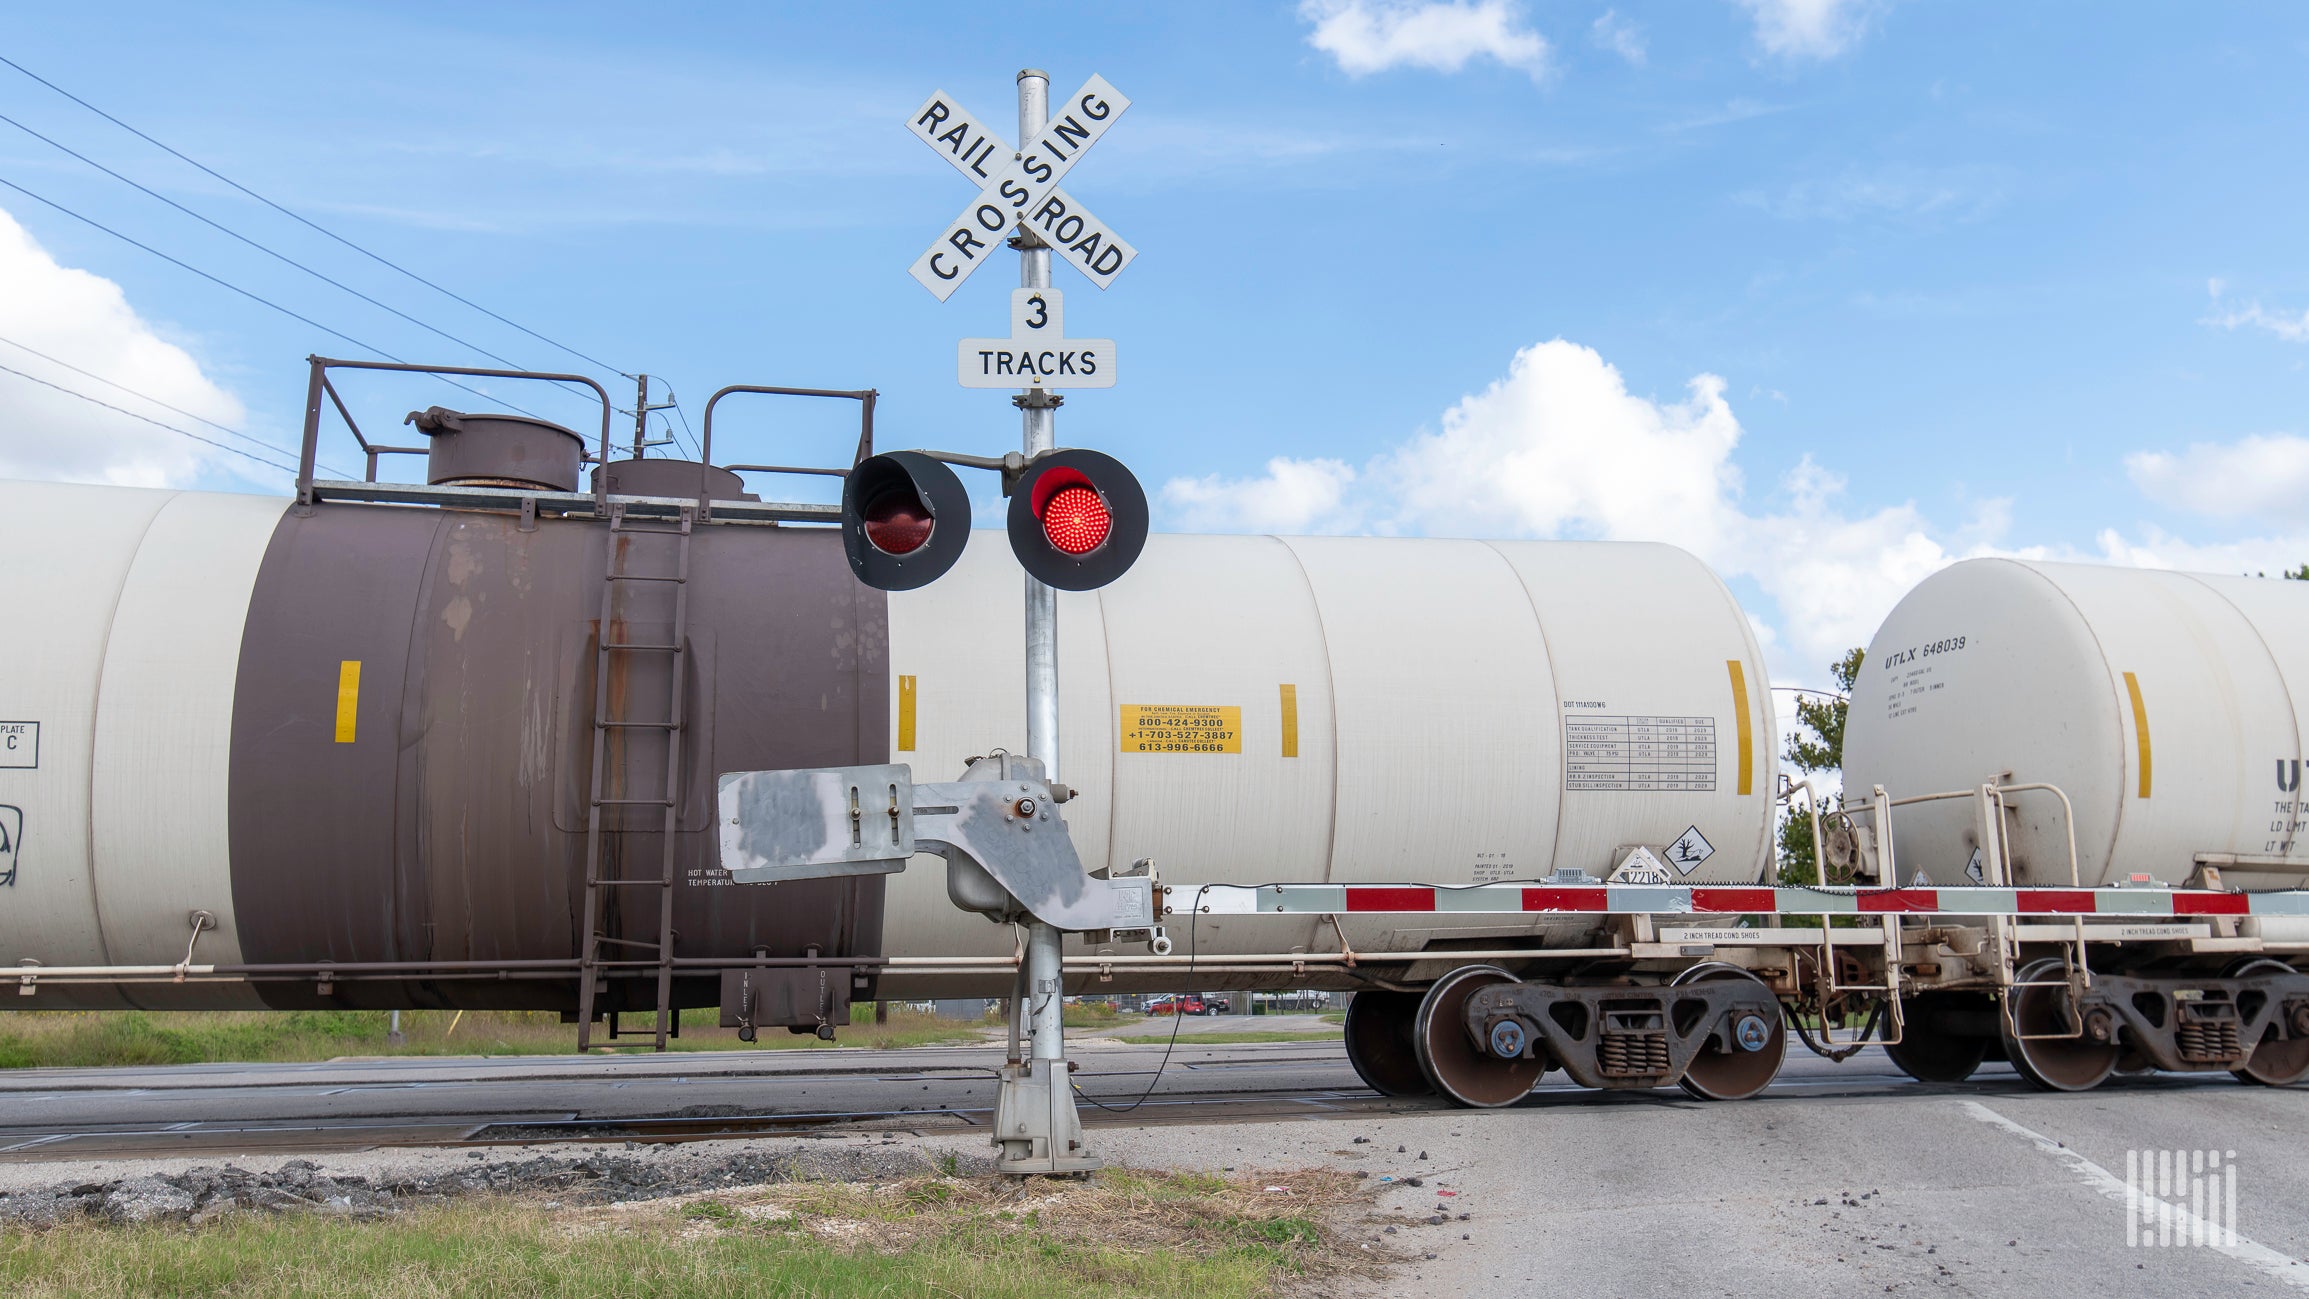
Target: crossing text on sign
[1020,186]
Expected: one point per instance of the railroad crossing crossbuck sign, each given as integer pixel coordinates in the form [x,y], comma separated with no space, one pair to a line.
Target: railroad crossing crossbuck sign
[1019,188]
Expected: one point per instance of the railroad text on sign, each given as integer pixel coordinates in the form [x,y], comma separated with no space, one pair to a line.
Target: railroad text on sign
[1182,728]
[1060,219]
[1019,188]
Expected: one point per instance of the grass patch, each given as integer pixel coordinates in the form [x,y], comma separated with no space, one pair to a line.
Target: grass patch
[1124,1232]
[82,1039]
[1096,1014]
[1249,1035]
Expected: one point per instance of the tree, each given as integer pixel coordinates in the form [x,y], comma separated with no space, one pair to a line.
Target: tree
[1817,746]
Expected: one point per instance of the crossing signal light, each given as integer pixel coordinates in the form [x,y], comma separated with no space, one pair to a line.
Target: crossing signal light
[905,519]
[1078,519]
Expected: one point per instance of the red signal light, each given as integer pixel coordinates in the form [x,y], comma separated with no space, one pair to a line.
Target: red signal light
[905,519]
[897,523]
[1076,520]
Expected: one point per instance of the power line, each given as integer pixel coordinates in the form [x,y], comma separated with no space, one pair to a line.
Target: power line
[375,257]
[673,435]
[673,403]
[147,419]
[253,297]
[109,383]
[269,252]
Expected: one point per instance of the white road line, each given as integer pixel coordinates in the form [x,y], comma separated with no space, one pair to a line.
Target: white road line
[2249,1252]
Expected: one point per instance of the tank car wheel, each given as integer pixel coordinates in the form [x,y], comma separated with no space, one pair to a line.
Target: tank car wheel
[1929,1055]
[1463,1072]
[1379,1042]
[2275,1062]
[1725,1072]
[2053,1064]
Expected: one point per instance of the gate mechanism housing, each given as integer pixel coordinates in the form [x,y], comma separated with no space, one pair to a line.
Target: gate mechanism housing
[997,825]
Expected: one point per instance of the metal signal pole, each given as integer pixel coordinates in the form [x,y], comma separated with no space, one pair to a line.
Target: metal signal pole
[1038,412]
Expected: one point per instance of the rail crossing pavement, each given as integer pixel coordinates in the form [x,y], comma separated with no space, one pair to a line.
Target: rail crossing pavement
[1839,1180]
[54,1115]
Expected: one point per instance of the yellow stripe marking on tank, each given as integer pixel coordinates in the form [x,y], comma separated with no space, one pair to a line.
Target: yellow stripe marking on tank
[1290,721]
[1743,728]
[2140,728]
[348,698]
[905,714]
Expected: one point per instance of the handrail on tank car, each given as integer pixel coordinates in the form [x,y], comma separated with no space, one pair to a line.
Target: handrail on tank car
[863,396]
[318,385]
[1994,858]
[2068,815]
[1828,987]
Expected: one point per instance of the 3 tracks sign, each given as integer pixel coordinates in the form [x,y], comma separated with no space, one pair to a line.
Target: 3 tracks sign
[1038,354]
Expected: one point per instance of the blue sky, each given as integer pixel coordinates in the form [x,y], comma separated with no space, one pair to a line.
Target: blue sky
[1830,291]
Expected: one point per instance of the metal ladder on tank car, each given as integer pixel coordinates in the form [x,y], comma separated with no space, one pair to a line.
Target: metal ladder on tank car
[604,892]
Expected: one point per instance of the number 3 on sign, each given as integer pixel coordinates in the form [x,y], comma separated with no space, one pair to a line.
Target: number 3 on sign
[1037,313]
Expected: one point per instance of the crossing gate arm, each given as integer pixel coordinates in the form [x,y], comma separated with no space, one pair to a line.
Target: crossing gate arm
[1703,899]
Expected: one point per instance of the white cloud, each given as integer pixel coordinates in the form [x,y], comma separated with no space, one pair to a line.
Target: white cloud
[2265,476]
[2291,328]
[1807,29]
[85,320]
[2269,555]
[1293,496]
[1366,36]
[1620,36]
[1897,191]
[1560,448]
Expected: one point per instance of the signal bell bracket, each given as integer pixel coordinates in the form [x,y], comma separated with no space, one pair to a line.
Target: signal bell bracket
[1000,818]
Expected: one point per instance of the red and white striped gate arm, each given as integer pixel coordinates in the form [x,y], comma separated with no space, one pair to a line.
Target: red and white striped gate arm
[1707,899]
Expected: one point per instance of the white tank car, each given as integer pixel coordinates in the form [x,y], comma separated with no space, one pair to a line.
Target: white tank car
[1389,710]
[2168,706]
[116,703]
[359,737]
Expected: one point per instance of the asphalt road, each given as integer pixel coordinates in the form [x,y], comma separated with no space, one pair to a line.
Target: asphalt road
[1840,1180]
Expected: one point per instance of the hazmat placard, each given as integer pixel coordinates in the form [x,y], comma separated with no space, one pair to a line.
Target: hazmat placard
[1182,728]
